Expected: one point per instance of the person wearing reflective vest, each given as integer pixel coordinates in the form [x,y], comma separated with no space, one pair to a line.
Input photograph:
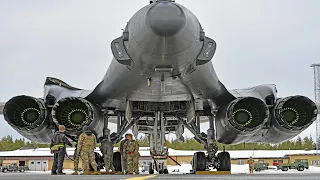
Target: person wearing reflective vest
[58,148]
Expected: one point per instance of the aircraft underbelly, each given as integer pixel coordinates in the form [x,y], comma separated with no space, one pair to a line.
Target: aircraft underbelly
[168,90]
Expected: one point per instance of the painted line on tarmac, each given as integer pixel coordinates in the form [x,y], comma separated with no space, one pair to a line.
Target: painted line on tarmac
[141,177]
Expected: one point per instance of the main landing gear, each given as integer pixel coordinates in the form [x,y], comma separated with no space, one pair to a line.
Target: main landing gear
[210,160]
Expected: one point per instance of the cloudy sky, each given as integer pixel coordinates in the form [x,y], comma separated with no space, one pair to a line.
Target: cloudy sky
[259,41]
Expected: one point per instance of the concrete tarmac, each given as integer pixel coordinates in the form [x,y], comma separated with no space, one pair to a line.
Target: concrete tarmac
[287,176]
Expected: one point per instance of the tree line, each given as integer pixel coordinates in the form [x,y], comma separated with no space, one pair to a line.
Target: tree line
[7,143]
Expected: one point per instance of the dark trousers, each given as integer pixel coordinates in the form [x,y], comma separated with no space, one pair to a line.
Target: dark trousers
[58,160]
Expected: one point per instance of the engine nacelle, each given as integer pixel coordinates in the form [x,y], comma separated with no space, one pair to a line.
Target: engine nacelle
[238,121]
[74,113]
[290,116]
[28,116]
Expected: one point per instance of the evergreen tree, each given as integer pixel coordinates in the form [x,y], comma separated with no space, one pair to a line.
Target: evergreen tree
[298,144]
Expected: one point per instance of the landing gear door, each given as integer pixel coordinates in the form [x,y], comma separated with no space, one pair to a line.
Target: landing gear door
[207,51]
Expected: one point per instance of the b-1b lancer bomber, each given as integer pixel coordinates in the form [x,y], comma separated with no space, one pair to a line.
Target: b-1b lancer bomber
[161,80]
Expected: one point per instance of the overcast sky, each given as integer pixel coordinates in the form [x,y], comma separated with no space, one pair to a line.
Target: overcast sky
[258,42]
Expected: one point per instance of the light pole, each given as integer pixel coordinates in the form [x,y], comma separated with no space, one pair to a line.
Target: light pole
[316,71]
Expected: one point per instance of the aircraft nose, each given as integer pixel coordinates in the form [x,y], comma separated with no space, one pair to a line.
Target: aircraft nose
[165,19]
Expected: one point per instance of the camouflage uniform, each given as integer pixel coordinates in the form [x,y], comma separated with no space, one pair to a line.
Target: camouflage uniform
[136,159]
[76,156]
[124,160]
[130,149]
[86,145]
[251,165]
[106,149]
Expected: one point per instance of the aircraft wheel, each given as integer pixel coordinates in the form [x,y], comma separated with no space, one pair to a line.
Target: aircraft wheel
[117,163]
[151,170]
[199,162]
[225,161]
[165,171]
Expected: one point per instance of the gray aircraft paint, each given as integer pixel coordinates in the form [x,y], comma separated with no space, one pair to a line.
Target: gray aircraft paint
[163,37]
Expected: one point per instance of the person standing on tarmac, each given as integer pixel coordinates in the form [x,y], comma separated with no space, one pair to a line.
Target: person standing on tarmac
[123,155]
[76,157]
[106,149]
[86,145]
[58,148]
[251,165]
[129,149]
[136,159]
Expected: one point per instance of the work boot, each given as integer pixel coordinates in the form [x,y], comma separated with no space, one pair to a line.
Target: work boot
[61,173]
[53,173]
[85,173]
[75,173]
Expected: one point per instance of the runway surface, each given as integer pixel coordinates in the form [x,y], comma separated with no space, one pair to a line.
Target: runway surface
[289,176]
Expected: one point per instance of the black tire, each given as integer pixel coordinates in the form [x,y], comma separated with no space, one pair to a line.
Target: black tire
[22,170]
[160,171]
[284,169]
[117,161]
[4,170]
[301,168]
[199,161]
[151,170]
[225,161]
[165,171]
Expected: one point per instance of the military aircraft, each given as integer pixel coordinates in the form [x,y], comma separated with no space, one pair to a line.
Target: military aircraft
[161,81]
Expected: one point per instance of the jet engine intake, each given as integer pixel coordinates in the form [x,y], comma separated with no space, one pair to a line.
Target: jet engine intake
[74,113]
[240,119]
[28,115]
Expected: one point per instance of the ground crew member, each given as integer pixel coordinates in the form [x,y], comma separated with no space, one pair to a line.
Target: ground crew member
[76,157]
[86,145]
[129,149]
[123,155]
[58,147]
[136,159]
[106,149]
[251,164]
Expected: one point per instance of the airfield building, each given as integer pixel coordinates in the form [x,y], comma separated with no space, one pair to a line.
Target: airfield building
[41,159]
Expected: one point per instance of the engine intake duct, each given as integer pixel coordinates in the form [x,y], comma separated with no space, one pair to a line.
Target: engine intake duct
[74,113]
[28,116]
[243,117]
[290,116]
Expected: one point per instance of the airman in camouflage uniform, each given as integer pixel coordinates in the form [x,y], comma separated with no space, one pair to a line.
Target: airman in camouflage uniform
[76,157]
[251,164]
[136,159]
[131,150]
[123,156]
[86,144]
[106,149]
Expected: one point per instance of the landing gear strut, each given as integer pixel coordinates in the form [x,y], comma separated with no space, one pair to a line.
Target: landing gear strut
[201,161]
